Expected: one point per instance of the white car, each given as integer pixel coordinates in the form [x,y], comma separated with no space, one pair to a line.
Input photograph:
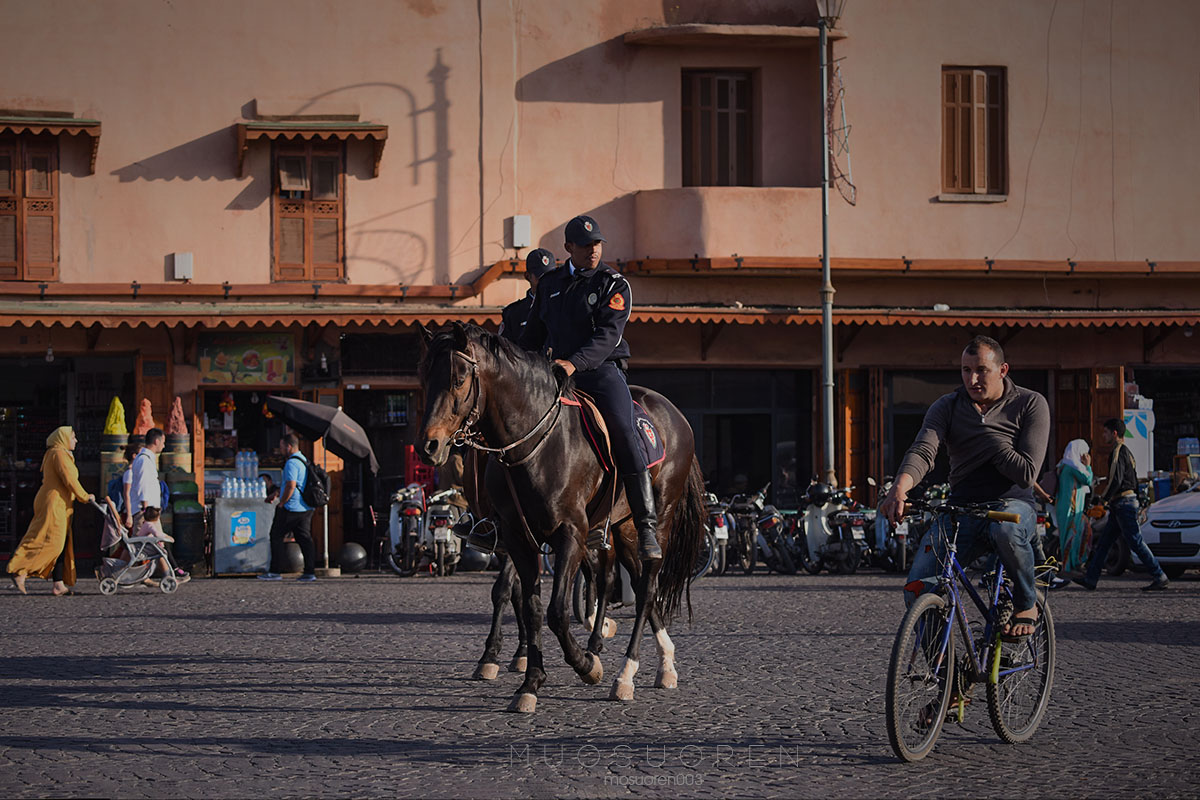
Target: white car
[1172,531]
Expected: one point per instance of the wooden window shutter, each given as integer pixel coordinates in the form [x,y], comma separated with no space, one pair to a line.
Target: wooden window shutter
[10,256]
[308,243]
[957,143]
[997,133]
[979,130]
[41,201]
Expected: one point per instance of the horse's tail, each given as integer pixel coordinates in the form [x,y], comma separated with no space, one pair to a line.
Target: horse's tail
[683,548]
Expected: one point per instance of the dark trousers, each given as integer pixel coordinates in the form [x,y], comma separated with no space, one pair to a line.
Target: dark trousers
[606,384]
[299,525]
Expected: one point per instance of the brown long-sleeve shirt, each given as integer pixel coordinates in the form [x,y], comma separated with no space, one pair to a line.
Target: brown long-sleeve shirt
[992,455]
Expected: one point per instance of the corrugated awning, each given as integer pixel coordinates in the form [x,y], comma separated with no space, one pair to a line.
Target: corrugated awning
[56,126]
[1035,318]
[391,311]
[251,131]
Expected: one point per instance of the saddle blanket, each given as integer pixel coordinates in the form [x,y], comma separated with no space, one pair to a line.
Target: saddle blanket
[652,444]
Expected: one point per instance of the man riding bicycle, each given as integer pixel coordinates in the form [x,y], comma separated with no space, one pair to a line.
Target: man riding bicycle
[996,434]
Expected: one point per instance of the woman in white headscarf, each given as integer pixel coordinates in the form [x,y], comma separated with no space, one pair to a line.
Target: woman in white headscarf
[46,549]
[1074,480]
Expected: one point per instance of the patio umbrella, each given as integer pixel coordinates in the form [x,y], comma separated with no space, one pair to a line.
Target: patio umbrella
[343,436]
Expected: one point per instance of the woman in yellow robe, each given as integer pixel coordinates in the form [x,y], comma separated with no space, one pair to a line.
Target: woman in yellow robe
[49,534]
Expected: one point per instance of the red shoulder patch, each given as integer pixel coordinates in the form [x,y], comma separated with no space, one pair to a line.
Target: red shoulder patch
[617,302]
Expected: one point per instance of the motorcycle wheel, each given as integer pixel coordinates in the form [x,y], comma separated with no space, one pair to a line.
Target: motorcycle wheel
[718,567]
[440,559]
[411,556]
[394,560]
[784,564]
[704,559]
[747,551]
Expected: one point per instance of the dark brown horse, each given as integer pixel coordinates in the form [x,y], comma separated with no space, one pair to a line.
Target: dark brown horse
[547,485]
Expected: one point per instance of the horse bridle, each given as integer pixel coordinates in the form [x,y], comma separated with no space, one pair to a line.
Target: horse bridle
[467,436]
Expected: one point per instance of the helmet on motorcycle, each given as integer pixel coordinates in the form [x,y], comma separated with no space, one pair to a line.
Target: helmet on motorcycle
[818,494]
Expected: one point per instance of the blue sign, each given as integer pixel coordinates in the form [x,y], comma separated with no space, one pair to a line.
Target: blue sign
[241,528]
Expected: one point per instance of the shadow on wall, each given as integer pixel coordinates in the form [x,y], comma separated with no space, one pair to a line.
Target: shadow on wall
[405,253]
[615,220]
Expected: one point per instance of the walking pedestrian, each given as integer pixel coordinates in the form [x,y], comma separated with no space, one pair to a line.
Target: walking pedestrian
[1120,495]
[46,550]
[292,514]
[1074,481]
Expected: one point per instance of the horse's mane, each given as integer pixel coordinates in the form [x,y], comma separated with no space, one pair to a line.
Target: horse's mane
[530,366]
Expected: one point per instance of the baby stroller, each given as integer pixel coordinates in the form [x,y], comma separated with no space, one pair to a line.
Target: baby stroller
[129,560]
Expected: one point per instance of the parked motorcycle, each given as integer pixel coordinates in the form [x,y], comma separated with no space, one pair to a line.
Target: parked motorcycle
[758,528]
[423,532]
[404,527]
[893,546]
[718,523]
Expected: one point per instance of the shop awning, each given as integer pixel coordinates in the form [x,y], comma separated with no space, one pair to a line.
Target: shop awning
[384,312]
[252,131]
[56,126]
[234,315]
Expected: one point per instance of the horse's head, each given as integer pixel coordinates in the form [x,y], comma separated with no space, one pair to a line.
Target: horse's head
[449,375]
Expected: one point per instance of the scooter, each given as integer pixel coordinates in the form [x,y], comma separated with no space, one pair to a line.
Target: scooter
[834,540]
[405,519]
[438,542]
[717,518]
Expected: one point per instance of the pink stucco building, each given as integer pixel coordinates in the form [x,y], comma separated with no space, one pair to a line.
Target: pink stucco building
[193,181]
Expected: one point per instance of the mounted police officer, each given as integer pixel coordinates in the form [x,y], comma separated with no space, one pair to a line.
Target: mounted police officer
[578,317]
[514,315]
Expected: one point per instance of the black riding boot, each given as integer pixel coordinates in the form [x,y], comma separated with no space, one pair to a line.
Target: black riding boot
[640,492]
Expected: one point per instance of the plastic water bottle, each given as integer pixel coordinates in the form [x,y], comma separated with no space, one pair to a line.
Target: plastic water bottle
[262,489]
[239,464]
[253,465]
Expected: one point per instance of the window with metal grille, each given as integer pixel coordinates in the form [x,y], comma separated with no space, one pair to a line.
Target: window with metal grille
[308,198]
[28,208]
[974,130]
[718,128]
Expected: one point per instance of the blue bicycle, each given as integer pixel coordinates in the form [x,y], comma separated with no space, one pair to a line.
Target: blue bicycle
[927,681]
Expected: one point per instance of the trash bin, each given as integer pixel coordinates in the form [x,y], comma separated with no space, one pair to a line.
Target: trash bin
[1162,488]
[189,536]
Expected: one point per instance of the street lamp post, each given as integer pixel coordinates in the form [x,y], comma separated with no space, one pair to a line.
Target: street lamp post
[829,11]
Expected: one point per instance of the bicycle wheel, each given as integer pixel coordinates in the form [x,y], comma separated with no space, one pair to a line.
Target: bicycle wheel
[1018,701]
[920,678]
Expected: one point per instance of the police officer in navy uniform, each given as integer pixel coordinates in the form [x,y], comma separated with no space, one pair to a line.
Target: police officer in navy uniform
[514,315]
[578,317]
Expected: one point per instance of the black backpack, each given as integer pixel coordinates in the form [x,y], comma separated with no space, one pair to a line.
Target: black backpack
[316,485]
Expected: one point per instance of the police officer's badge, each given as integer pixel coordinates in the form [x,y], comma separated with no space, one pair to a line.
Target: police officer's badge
[592,298]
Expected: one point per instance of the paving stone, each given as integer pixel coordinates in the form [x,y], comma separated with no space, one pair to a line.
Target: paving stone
[360,686]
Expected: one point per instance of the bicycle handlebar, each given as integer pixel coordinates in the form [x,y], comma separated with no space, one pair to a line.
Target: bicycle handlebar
[970,510]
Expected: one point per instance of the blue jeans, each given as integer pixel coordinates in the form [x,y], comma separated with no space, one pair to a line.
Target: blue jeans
[1122,521]
[1012,541]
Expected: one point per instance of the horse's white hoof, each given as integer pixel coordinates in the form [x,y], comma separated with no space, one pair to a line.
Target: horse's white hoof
[609,629]
[524,703]
[595,673]
[621,691]
[486,672]
[666,679]
[518,664]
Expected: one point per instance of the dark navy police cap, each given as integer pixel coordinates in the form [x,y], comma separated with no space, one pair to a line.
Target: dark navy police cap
[539,262]
[583,231]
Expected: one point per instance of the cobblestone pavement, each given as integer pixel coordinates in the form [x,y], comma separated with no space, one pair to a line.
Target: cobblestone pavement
[359,686]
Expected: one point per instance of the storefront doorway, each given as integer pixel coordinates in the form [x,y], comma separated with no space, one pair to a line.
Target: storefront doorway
[751,426]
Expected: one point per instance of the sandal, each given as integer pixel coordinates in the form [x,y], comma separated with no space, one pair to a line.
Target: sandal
[1018,620]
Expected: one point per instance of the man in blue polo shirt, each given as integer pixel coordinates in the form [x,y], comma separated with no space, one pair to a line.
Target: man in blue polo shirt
[292,515]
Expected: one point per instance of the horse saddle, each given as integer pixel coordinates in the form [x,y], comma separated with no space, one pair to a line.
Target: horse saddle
[653,449]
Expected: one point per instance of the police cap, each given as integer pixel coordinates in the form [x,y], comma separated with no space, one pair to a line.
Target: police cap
[583,231]
[539,262]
